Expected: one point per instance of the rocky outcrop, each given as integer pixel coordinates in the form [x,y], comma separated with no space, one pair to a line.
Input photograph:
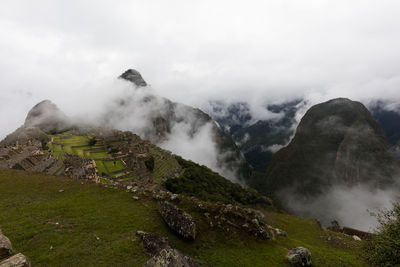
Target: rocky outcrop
[153,244]
[6,257]
[170,258]
[134,76]
[178,220]
[18,260]
[5,246]
[299,257]
[232,219]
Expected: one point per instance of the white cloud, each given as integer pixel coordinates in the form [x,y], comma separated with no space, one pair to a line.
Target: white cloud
[260,51]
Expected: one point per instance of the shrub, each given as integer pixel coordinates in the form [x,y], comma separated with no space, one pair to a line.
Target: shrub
[149,163]
[201,182]
[383,248]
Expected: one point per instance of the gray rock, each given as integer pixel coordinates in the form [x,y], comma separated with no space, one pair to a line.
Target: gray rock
[153,244]
[299,256]
[177,219]
[18,260]
[170,258]
[280,232]
[134,77]
[5,247]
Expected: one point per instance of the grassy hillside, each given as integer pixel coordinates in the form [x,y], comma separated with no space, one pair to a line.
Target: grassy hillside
[90,225]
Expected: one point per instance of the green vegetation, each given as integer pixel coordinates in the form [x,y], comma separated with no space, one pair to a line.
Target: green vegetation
[164,164]
[113,165]
[201,182]
[149,163]
[383,248]
[89,225]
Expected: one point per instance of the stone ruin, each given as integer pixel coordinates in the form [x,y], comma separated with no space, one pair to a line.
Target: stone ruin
[29,156]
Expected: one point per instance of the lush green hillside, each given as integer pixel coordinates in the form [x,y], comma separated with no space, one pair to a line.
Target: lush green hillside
[90,225]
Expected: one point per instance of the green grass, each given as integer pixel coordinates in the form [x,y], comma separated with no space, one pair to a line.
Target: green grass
[99,154]
[113,168]
[100,167]
[31,207]
[163,164]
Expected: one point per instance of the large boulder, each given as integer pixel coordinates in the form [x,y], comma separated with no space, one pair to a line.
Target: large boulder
[5,246]
[170,258]
[18,260]
[177,220]
[153,244]
[299,256]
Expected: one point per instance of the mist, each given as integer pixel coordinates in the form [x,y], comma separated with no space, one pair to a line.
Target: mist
[351,206]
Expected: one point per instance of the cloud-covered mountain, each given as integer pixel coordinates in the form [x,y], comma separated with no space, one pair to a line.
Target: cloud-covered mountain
[257,139]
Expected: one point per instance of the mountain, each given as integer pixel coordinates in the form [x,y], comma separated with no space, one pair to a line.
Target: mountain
[105,155]
[336,142]
[257,139]
[96,189]
[388,119]
[162,121]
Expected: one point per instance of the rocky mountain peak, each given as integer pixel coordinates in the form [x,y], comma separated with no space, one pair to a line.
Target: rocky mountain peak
[47,116]
[134,76]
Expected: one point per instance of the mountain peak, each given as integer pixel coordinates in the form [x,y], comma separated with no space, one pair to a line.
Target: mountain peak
[47,116]
[133,76]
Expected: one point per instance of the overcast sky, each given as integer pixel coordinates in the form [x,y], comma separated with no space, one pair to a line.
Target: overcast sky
[194,51]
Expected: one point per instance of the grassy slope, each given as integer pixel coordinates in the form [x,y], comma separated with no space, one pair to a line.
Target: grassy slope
[31,206]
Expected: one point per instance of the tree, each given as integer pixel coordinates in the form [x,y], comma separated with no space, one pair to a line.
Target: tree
[383,248]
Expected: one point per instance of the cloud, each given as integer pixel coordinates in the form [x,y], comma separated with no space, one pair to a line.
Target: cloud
[350,206]
[264,51]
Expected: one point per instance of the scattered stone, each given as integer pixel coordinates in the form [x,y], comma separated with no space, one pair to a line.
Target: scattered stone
[61,190]
[135,198]
[356,238]
[170,258]
[174,197]
[299,256]
[5,246]
[153,244]
[177,219]
[18,260]
[129,187]
[255,221]
[280,232]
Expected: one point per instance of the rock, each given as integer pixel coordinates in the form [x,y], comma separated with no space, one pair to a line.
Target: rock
[5,247]
[18,260]
[153,244]
[170,258]
[134,77]
[255,221]
[174,197]
[135,198]
[280,232]
[177,219]
[299,256]
[61,190]
[356,238]
[129,187]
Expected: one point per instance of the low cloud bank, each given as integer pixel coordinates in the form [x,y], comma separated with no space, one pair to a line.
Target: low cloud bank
[350,206]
